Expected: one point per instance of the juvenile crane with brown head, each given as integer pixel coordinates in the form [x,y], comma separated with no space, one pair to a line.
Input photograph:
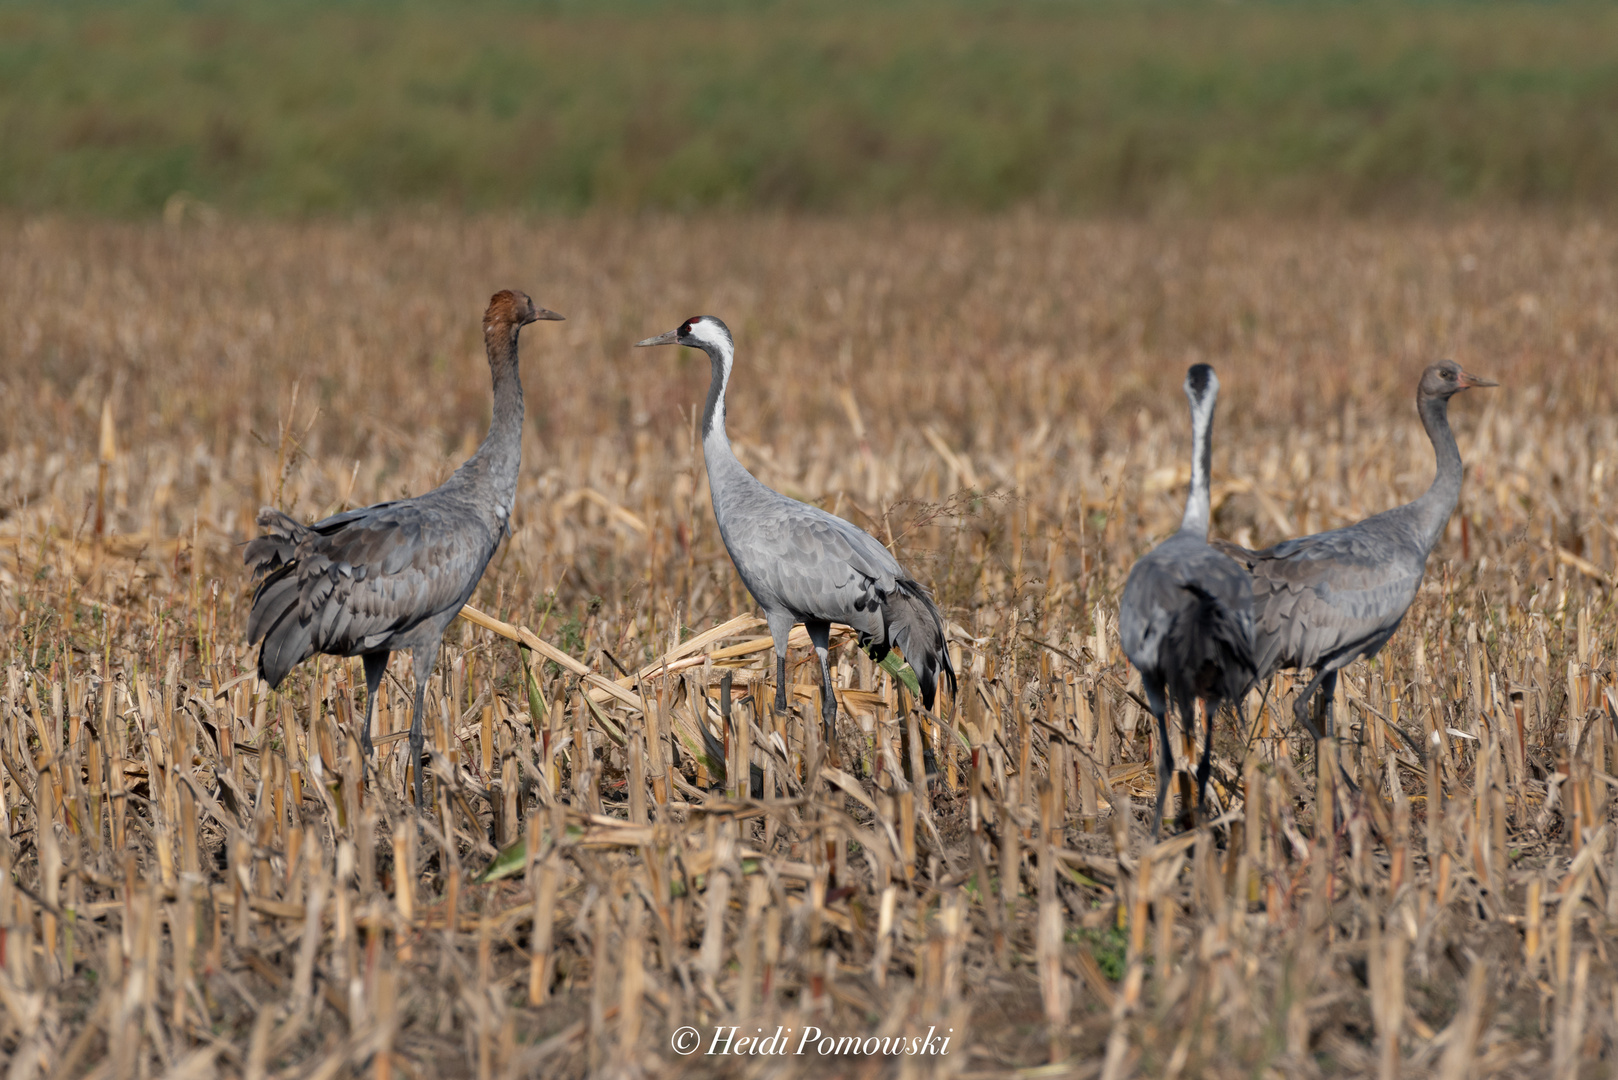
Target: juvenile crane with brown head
[1323,601]
[392,577]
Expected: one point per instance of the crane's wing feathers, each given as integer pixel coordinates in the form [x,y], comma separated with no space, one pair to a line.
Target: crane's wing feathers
[1245,556]
[1186,616]
[838,541]
[799,558]
[813,562]
[1228,611]
[1144,612]
[1332,596]
[348,584]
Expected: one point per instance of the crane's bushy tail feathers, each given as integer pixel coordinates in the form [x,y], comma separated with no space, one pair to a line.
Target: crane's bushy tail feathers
[288,640]
[1232,634]
[916,627]
[273,548]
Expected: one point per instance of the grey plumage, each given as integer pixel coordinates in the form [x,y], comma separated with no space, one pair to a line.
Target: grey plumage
[393,576]
[802,564]
[1186,617]
[1323,601]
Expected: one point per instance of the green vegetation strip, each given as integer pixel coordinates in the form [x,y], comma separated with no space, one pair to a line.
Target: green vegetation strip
[295,108]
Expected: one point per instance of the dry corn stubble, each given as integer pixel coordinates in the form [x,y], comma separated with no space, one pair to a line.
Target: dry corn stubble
[198,876]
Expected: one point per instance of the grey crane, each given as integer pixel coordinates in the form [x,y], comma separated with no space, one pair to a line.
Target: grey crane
[802,564]
[392,577]
[1323,601]
[1186,617]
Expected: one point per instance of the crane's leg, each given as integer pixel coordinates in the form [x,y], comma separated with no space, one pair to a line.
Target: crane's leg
[1205,766]
[716,751]
[1325,682]
[425,658]
[1187,817]
[780,631]
[1328,694]
[820,637]
[1165,752]
[1300,707]
[376,666]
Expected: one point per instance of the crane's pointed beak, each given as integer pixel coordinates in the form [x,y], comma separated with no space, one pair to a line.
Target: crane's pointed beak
[1470,380]
[670,338]
[547,315]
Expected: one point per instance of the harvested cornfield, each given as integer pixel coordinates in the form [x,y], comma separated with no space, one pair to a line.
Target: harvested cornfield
[202,878]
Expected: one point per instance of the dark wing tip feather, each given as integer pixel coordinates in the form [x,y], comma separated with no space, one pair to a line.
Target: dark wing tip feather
[275,595]
[946,666]
[917,627]
[286,645]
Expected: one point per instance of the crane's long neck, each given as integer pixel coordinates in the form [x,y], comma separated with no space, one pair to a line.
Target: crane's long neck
[495,465]
[1196,501]
[716,451]
[1434,507]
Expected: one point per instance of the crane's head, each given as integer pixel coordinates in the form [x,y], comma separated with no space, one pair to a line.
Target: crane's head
[1201,384]
[1445,379]
[514,309]
[700,332]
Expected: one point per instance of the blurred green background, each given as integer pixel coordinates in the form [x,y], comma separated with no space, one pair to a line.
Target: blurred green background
[273,108]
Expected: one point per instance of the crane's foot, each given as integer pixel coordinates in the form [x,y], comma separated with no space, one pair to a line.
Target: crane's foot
[828,732]
[1306,720]
[415,756]
[1348,781]
[1205,819]
[929,760]
[1157,812]
[1187,818]
[1205,813]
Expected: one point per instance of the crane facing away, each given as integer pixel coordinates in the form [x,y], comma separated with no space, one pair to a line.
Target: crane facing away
[1323,601]
[1186,617]
[392,577]
[802,564]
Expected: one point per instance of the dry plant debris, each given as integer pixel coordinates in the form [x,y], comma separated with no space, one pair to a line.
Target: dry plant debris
[201,878]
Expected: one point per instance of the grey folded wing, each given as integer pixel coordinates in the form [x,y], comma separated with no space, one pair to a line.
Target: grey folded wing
[352,581]
[1152,600]
[820,565]
[1331,597]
